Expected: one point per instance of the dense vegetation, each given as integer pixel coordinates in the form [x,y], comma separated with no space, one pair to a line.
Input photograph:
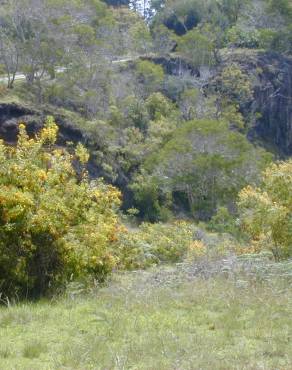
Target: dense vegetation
[53,223]
[135,147]
[140,204]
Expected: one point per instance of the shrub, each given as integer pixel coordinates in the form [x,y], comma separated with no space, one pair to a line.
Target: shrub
[204,164]
[54,223]
[243,39]
[150,75]
[151,201]
[266,211]
[158,243]
[223,222]
[235,85]
[173,242]
[197,48]
[267,38]
[158,106]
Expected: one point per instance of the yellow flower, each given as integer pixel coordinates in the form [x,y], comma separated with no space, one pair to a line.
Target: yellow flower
[42,175]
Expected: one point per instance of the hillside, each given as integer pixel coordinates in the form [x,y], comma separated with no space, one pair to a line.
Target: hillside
[145,184]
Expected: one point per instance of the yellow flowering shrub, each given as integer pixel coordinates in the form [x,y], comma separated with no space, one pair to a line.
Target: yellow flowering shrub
[266,211]
[54,225]
[158,243]
[196,249]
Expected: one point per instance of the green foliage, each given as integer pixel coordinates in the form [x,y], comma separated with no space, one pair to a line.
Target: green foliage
[54,224]
[188,101]
[284,7]
[158,106]
[266,211]
[238,37]
[235,85]
[159,243]
[230,113]
[267,38]
[153,320]
[141,38]
[150,75]
[149,198]
[224,222]
[180,16]
[232,8]
[197,48]
[207,163]
[163,39]
[136,112]
[278,40]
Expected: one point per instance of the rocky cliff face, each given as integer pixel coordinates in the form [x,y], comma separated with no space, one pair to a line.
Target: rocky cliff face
[12,114]
[271,76]
[273,100]
[271,109]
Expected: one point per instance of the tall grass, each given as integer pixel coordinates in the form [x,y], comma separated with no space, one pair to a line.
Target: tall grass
[156,319]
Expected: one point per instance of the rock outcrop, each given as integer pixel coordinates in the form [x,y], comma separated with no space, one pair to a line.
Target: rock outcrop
[271,76]
[271,109]
[273,100]
[12,114]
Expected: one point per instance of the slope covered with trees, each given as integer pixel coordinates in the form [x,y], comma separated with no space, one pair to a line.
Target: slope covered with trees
[180,104]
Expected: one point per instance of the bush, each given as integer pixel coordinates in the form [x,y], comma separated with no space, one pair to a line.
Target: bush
[266,211]
[158,106]
[235,85]
[204,164]
[54,224]
[158,243]
[243,39]
[150,75]
[174,242]
[268,38]
[149,199]
[223,222]
[197,48]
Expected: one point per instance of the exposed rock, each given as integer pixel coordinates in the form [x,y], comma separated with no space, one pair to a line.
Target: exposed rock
[273,100]
[271,76]
[174,65]
[12,114]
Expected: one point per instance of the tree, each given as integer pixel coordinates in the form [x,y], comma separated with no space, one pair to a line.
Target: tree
[150,75]
[234,84]
[187,103]
[232,8]
[206,164]
[163,39]
[197,48]
[266,211]
[180,16]
[141,38]
[10,52]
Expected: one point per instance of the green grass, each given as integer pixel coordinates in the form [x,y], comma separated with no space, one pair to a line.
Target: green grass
[154,320]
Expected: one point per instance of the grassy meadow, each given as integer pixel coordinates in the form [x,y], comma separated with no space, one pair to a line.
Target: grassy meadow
[201,316]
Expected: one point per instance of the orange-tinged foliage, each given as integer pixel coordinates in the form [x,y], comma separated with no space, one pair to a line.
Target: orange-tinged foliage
[267,210]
